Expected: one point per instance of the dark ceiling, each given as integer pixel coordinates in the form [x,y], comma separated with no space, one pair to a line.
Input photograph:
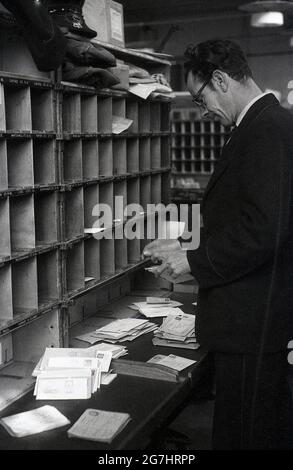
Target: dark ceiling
[155,10]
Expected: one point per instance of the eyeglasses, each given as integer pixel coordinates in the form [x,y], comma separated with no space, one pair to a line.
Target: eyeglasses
[197,98]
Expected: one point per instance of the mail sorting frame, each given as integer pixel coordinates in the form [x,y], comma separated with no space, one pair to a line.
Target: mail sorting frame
[54,117]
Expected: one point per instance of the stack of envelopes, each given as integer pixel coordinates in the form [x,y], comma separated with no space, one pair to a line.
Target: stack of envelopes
[177,330]
[73,373]
[126,329]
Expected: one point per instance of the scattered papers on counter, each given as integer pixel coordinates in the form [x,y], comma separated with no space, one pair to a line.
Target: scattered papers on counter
[98,425]
[120,124]
[175,362]
[35,421]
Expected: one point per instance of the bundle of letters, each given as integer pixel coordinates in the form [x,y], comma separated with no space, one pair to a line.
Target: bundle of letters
[177,330]
[157,307]
[74,373]
[126,329]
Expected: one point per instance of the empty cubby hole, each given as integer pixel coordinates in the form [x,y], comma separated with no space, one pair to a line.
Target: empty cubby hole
[133,191]
[2,108]
[5,246]
[106,199]
[6,306]
[72,160]
[3,166]
[20,163]
[165,152]
[22,224]
[75,267]
[165,122]
[90,158]
[71,113]
[48,277]
[166,188]
[144,154]
[46,218]
[91,199]
[118,107]
[132,153]
[42,103]
[107,257]
[155,117]
[119,157]
[24,286]
[156,190]
[121,257]
[133,250]
[92,259]
[145,191]
[132,113]
[144,117]
[156,152]
[74,222]
[89,115]
[44,162]
[18,109]
[105,115]
[120,201]
[106,157]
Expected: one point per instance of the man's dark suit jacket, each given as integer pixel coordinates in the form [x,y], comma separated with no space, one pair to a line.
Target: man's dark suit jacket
[244,265]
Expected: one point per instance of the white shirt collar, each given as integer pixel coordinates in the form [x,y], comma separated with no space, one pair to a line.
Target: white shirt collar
[248,106]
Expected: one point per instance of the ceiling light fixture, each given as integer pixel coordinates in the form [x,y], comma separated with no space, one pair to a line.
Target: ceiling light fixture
[267,13]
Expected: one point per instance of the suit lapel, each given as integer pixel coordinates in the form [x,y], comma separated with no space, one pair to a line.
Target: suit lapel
[228,151]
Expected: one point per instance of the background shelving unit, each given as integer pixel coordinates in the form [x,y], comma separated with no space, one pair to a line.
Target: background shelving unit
[58,159]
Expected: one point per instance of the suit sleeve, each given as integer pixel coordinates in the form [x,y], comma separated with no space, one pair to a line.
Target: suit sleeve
[264,182]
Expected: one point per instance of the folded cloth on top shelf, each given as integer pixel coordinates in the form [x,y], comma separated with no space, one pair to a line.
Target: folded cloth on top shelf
[93,76]
[82,52]
[45,40]
[68,15]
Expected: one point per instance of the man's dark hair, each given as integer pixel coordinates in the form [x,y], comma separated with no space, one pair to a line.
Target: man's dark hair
[216,54]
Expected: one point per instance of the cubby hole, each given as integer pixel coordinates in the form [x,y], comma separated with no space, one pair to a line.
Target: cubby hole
[107,257]
[132,155]
[106,197]
[75,274]
[2,109]
[155,117]
[23,349]
[144,154]
[145,192]
[118,107]
[105,115]
[165,152]
[6,306]
[132,113]
[144,117]
[121,257]
[5,246]
[165,122]
[74,222]
[22,224]
[156,189]
[120,201]
[166,188]
[106,157]
[92,260]
[24,286]
[119,157]
[133,251]
[90,158]
[20,163]
[3,166]
[89,115]
[18,109]
[48,277]
[71,113]
[44,162]
[72,160]
[91,199]
[46,218]
[156,152]
[42,110]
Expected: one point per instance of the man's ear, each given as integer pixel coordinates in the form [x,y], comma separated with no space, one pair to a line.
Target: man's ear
[220,80]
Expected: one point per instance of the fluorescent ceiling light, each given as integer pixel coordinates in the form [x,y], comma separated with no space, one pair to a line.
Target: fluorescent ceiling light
[267,18]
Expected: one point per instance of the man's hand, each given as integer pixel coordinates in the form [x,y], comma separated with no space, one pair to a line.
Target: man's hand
[175,264]
[158,249]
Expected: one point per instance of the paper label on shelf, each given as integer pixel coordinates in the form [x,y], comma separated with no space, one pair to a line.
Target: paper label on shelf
[116,24]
